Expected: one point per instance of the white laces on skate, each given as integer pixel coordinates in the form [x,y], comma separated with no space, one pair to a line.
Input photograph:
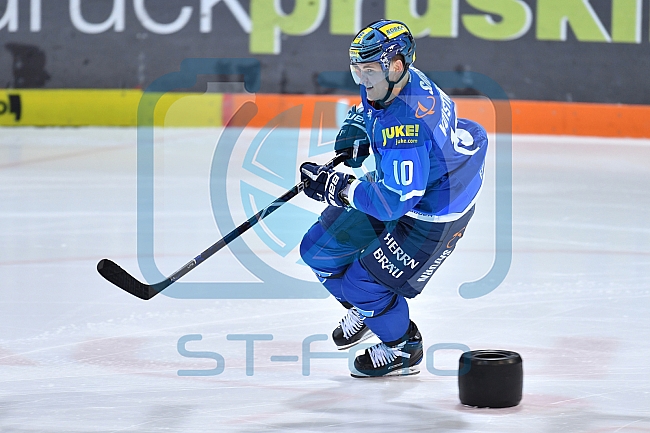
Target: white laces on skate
[380,354]
[351,323]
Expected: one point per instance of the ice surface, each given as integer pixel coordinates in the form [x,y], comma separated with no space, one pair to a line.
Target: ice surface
[79,355]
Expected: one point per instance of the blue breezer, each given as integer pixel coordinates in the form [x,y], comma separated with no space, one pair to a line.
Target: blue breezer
[383,236]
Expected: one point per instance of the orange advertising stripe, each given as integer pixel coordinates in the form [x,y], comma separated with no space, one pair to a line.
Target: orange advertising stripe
[574,118]
[480,110]
[525,117]
[304,111]
[78,107]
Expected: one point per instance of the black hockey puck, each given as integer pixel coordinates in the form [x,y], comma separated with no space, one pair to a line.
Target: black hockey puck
[490,378]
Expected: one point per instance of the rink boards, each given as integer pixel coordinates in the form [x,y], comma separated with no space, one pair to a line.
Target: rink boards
[98,107]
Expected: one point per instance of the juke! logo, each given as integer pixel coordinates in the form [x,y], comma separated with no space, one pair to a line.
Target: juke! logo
[401,131]
[13,106]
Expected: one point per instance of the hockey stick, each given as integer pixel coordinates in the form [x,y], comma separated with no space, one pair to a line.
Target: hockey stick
[112,272]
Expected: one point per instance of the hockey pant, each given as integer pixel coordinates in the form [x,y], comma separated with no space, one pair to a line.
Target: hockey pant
[342,249]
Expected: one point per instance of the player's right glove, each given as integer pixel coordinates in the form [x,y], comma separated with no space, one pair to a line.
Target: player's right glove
[353,138]
[324,184]
[314,177]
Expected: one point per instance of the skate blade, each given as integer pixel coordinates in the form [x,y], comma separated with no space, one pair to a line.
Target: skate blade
[397,372]
[364,338]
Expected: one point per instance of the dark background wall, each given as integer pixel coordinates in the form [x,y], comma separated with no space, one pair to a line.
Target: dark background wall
[57,54]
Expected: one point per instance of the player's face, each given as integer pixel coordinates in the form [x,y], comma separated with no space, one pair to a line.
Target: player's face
[372,77]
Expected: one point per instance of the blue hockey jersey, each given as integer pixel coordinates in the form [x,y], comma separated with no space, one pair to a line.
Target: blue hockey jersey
[429,164]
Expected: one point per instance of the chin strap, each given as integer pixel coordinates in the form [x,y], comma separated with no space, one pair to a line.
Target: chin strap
[391,86]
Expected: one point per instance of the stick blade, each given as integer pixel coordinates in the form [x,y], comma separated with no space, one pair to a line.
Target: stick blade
[112,272]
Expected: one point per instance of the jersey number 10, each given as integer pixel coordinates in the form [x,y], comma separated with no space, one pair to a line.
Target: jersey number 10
[403,172]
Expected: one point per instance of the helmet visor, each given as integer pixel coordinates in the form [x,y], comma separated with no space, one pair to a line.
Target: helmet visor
[367,74]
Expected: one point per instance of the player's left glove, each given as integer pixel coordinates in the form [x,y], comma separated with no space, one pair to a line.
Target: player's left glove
[353,138]
[323,184]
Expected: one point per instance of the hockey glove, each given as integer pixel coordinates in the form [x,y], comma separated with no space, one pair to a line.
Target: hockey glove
[353,138]
[324,185]
[314,177]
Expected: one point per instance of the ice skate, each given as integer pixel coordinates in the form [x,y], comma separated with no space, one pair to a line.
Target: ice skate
[351,330]
[394,359]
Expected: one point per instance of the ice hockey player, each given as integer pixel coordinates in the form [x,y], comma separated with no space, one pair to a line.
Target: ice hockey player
[384,235]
